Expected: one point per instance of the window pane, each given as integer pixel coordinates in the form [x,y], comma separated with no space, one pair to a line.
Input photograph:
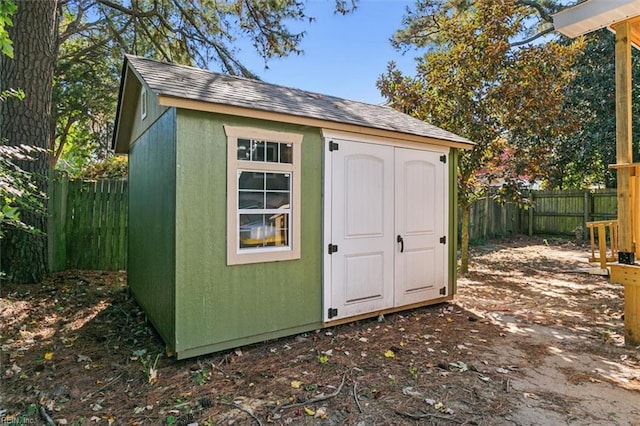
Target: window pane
[278,181]
[272,152]
[251,200]
[264,230]
[244,149]
[286,153]
[251,180]
[277,200]
[258,151]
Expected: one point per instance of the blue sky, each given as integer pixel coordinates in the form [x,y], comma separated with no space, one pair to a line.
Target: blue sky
[343,55]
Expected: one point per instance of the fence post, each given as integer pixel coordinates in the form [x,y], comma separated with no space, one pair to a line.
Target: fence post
[587,213]
[486,216]
[531,207]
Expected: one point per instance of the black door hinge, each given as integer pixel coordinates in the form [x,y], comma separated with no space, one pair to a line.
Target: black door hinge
[333,146]
[443,240]
[333,248]
[443,291]
[333,312]
[443,158]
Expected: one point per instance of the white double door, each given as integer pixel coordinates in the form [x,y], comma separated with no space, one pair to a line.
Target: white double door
[388,225]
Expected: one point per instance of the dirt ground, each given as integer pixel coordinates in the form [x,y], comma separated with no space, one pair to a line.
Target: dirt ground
[528,340]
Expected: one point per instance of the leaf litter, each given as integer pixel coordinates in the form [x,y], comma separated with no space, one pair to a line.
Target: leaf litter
[77,349]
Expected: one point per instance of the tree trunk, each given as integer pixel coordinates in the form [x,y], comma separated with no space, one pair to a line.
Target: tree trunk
[465,211]
[26,122]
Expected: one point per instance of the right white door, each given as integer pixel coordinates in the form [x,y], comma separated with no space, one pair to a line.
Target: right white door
[420,225]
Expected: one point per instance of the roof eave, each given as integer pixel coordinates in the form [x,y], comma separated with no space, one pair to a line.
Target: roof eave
[118,119]
[197,105]
[593,15]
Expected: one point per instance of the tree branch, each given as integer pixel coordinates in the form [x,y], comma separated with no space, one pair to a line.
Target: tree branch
[130,12]
[532,38]
[537,6]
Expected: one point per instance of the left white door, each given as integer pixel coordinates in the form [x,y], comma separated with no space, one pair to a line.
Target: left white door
[362,228]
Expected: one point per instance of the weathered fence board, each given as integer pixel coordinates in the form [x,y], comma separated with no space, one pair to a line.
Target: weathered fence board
[87,227]
[553,212]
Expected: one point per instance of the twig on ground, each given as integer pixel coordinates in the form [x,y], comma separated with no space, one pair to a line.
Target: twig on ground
[109,383]
[428,416]
[355,395]
[45,416]
[226,375]
[238,407]
[312,400]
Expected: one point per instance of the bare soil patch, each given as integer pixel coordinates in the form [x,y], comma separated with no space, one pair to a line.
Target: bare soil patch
[527,341]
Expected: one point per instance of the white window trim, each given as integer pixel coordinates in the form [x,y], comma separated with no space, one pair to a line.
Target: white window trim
[235,256]
[143,103]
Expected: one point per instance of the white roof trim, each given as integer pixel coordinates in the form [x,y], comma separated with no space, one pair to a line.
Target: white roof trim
[592,15]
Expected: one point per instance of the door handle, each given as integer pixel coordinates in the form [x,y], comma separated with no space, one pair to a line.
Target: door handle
[401,241]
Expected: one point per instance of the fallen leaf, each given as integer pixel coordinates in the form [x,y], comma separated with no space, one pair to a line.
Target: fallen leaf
[409,391]
[321,413]
[153,375]
[460,366]
[309,411]
[82,358]
[389,354]
[296,384]
[48,356]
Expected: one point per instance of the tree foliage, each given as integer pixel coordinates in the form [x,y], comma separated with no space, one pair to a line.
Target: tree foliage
[18,192]
[7,9]
[94,34]
[581,158]
[479,80]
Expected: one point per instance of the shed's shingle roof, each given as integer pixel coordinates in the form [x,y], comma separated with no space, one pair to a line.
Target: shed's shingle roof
[196,84]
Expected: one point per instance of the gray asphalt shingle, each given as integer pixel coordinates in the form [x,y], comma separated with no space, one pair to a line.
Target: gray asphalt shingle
[196,84]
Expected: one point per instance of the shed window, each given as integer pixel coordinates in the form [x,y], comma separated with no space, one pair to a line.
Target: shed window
[263,195]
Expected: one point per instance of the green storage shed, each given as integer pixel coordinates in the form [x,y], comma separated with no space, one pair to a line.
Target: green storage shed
[258,211]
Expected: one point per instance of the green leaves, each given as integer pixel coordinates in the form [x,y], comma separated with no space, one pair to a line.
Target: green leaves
[7,9]
[17,190]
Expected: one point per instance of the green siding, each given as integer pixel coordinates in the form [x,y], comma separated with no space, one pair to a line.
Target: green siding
[219,306]
[453,221]
[151,259]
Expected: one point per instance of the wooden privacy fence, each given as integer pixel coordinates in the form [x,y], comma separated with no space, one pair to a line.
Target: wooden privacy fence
[553,213]
[88,220]
[87,224]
